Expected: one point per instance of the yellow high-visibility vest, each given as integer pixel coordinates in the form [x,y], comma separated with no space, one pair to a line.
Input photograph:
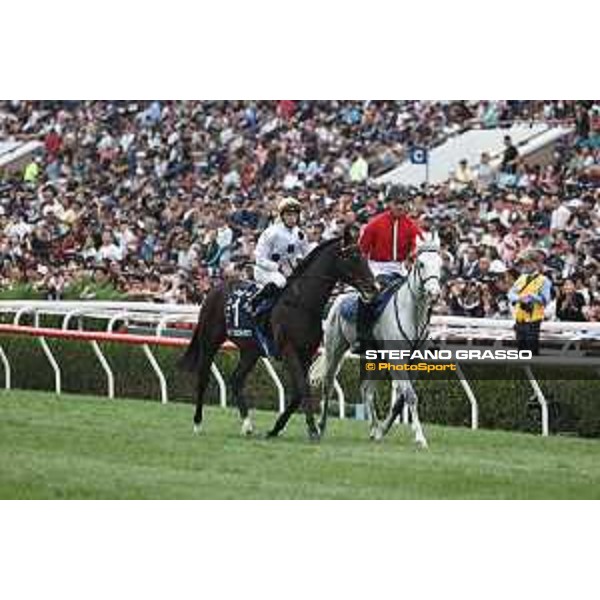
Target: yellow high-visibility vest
[529,288]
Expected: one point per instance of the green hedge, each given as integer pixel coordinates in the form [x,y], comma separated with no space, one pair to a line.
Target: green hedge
[507,404]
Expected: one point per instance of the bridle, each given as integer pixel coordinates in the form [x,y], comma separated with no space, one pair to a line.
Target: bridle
[417,295]
[417,269]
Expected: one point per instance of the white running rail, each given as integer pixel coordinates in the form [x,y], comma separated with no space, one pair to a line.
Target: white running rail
[158,316]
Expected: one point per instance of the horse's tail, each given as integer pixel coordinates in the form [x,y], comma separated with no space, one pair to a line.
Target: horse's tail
[318,370]
[190,361]
[199,344]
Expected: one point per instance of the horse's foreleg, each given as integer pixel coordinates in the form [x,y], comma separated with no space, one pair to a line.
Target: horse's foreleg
[413,401]
[201,385]
[297,369]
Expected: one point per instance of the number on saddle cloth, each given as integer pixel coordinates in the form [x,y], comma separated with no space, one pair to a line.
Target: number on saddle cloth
[239,321]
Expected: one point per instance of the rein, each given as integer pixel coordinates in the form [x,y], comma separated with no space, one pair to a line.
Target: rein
[294,292]
[416,294]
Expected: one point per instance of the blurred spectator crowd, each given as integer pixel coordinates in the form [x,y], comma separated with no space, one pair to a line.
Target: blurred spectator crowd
[159,199]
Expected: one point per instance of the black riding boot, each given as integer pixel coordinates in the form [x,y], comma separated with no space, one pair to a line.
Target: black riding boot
[364,326]
[258,302]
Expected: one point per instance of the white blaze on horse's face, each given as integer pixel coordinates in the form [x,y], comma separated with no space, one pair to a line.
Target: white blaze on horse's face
[429,266]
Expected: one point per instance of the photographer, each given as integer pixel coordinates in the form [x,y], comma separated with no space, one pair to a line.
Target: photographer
[570,303]
[529,295]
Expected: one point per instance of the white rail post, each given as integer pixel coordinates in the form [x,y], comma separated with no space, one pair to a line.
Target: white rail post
[164,397]
[110,378]
[221,383]
[7,374]
[119,316]
[541,400]
[470,395]
[20,312]
[341,398]
[68,316]
[275,378]
[53,364]
[51,359]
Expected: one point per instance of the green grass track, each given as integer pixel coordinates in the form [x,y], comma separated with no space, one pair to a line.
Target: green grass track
[83,447]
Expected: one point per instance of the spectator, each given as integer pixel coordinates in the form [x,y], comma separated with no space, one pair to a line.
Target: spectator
[529,295]
[486,176]
[186,187]
[463,176]
[510,157]
[570,303]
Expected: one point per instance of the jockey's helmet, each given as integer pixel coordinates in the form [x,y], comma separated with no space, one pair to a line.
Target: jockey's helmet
[289,205]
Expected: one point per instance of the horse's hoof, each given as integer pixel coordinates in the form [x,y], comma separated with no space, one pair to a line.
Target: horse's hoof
[422,444]
[314,436]
[247,428]
[376,435]
[197,428]
[270,435]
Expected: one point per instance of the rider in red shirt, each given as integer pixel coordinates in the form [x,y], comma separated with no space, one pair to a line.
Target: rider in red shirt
[387,241]
[390,237]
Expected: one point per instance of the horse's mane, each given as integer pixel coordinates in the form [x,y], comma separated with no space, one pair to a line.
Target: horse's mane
[310,258]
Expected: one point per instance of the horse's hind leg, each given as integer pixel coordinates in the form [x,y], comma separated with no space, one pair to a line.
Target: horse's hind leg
[247,361]
[399,388]
[202,383]
[368,394]
[333,366]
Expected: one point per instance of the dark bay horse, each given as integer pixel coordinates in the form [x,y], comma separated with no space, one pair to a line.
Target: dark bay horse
[296,325]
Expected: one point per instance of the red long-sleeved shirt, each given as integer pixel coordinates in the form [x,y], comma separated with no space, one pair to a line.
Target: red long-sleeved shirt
[377,238]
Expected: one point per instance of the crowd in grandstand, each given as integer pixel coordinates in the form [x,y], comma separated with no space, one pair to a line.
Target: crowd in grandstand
[159,199]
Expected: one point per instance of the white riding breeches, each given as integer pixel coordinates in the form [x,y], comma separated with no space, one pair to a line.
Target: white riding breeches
[387,268]
[264,276]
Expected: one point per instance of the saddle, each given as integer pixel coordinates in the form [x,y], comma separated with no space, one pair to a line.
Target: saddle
[349,306]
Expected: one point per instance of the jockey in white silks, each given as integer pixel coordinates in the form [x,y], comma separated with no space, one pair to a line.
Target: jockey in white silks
[279,249]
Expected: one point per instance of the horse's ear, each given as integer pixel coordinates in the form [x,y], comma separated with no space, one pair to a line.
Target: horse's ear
[435,236]
[429,238]
[350,235]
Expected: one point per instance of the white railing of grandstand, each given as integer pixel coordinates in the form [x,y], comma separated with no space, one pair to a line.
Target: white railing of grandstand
[160,315]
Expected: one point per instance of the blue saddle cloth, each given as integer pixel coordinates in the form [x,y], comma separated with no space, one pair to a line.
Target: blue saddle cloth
[349,306]
[239,322]
[239,316]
